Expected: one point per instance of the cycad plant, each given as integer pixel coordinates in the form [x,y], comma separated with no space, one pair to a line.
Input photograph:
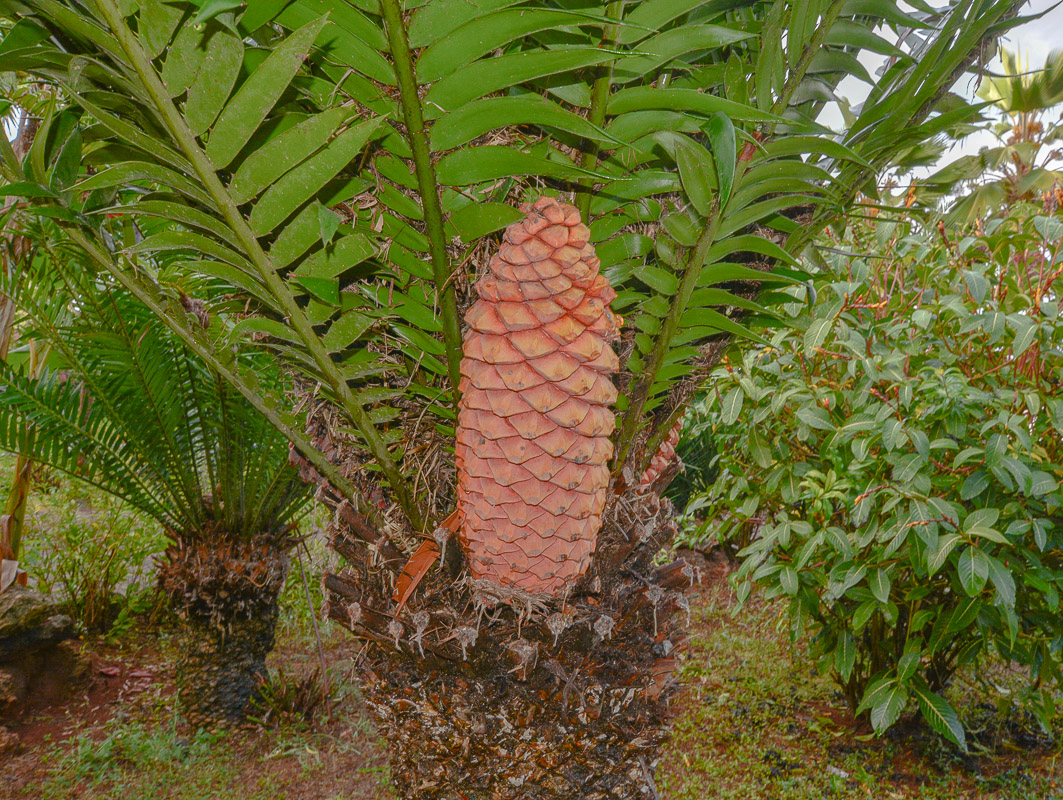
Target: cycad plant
[125,406]
[342,170]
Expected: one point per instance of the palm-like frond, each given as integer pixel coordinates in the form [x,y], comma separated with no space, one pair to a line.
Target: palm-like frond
[127,407]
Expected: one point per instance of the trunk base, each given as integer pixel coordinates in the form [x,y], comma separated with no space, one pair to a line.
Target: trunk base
[226,591]
[218,671]
[528,698]
[492,739]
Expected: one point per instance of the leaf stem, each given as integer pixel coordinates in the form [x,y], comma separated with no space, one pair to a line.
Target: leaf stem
[599,103]
[427,185]
[692,270]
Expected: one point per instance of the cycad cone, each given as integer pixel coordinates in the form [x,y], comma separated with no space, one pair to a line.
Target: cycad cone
[534,423]
[663,457]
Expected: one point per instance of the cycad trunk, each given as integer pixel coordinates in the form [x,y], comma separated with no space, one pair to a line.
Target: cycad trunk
[538,698]
[225,591]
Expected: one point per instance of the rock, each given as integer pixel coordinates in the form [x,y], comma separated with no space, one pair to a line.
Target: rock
[37,663]
[10,744]
[22,608]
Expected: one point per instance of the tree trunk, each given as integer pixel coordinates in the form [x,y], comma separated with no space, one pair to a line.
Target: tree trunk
[226,592]
[482,696]
[13,249]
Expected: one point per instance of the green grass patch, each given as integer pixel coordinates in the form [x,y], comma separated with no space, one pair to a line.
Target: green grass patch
[756,721]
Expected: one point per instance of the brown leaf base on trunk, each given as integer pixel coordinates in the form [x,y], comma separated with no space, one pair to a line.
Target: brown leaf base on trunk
[226,594]
[483,696]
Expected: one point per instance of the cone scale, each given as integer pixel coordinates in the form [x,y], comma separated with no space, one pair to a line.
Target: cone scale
[534,422]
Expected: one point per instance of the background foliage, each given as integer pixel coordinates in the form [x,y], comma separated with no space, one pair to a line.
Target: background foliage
[894,467]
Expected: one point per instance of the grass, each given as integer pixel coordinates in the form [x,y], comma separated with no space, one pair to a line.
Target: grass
[149,754]
[757,722]
[141,751]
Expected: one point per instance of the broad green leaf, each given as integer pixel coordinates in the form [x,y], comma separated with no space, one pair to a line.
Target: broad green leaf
[325,289]
[982,518]
[212,8]
[244,113]
[759,449]
[214,81]
[789,580]
[260,12]
[477,118]
[694,164]
[175,240]
[25,189]
[802,145]
[23,34]
[815,417]
[183,59]
[125,174]
[158,21]
[853,34]
[653,15]
[494,74]
[721,133]
[751,242]
[907,467]
[296,238]
[731,406]
[346,330]
[487,33]
[939,714]
[657,279]
[186,215]
[974,485]
[722,272]
[644,98]
[845,655]
[329,222]
[946,544]
[439,18]
[349,38]
[1042,484]
[973,570]
[346,252]
[476,220]
[302,183]
[278,155]
[1002,581]
[886,699]
[879,582]
[664,47]
[490,162]
[1024,336]
[816,334]
[262,325]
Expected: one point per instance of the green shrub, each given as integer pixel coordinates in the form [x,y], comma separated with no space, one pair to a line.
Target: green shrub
[894,467]
[92,552]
